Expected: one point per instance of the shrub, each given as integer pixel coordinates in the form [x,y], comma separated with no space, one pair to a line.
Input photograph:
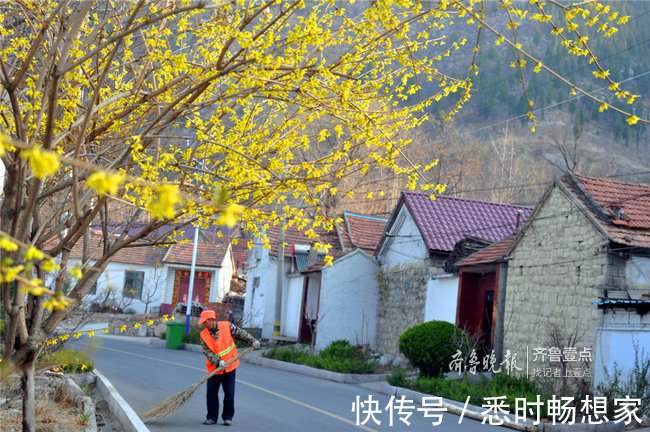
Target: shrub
[340,349]
[634,383]
[71,360]
[193,336]
[339,356]
[430,346]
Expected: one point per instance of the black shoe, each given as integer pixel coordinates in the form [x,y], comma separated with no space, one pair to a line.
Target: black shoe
[227,422]
[209,422]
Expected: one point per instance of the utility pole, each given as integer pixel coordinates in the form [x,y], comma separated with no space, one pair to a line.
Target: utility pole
[190,288]
[277,321]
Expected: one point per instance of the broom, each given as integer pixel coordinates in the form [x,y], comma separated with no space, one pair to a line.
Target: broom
[171,405]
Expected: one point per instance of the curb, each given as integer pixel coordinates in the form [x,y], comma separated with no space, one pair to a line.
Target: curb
[118,406]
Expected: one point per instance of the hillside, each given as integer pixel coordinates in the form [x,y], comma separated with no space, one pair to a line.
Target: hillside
[487,151]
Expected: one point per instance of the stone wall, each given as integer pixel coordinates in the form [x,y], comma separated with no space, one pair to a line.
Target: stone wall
[402,299]
[559,267]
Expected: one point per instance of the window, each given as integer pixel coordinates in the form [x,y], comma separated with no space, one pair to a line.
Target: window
[133,284]
[93,289]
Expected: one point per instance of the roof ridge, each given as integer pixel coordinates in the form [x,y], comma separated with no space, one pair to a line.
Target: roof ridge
[345,212]
[608,180]
[468,199]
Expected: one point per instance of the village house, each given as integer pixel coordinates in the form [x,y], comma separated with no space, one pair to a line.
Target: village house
[417,252]
[481,295]
[319,304]
[577,280]
[151,279]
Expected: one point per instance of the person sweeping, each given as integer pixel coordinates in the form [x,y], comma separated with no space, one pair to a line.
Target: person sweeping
[218,342]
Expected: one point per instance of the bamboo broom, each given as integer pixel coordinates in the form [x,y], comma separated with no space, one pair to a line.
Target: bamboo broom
[171,405]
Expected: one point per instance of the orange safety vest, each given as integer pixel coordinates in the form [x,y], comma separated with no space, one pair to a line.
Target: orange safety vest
[224,346]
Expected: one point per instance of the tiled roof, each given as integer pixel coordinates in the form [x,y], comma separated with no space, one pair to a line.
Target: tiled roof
[208,253]
[444,221]
[490,254]
[293,236]
[362,231]
[139,255]
[623,209]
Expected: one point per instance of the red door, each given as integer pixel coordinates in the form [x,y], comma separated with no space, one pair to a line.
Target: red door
[199,291]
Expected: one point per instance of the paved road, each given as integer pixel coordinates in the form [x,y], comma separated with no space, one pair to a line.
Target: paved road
[267,400]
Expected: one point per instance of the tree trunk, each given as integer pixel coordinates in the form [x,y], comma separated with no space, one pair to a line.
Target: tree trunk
[27,382]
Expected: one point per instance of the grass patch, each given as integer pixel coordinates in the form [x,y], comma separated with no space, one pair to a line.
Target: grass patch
[500,385]
[70,360]
[339,356]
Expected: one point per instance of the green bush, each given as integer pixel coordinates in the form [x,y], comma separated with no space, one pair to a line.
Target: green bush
[70,360]
[339,356]
[193,336]
[340,349]
[430,346]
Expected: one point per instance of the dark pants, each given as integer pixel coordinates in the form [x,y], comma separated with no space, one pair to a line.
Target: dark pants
[227,380]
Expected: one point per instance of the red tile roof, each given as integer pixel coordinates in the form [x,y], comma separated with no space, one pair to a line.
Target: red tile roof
[622,209]
[293,236]
[362,231]
[490,254]
[209,253]
[139,255]
[444,221]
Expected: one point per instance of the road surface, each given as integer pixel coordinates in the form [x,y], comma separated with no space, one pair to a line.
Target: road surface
[267,400]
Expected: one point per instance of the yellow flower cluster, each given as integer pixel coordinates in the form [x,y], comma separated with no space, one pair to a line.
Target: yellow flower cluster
[106,330]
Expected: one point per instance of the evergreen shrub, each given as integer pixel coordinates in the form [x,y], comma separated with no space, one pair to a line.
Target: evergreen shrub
[430,346]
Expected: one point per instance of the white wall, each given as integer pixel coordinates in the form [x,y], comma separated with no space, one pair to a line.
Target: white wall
[259,306]
[348,301]
[615,341]
[222,278]
[292,301]
[404,245]
[442,298]
[114,276]
[259,266]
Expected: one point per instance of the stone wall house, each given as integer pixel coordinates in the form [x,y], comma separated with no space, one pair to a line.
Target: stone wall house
[583,255]
[419,238]
[481,295]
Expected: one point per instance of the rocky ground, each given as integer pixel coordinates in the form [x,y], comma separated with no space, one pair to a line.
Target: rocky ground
[56,411]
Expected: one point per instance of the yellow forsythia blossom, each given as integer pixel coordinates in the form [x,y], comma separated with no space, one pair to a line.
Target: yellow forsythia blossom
[33,253]
[50,265]
[163,206]
[105,183]
[42,163]
[33,290]
[76,272]
[7,244]
[231,215]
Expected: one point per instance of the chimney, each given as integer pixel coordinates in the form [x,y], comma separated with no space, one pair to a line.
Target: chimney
[519,217]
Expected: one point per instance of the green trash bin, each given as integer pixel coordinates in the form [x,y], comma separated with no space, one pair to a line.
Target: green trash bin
[175,333]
